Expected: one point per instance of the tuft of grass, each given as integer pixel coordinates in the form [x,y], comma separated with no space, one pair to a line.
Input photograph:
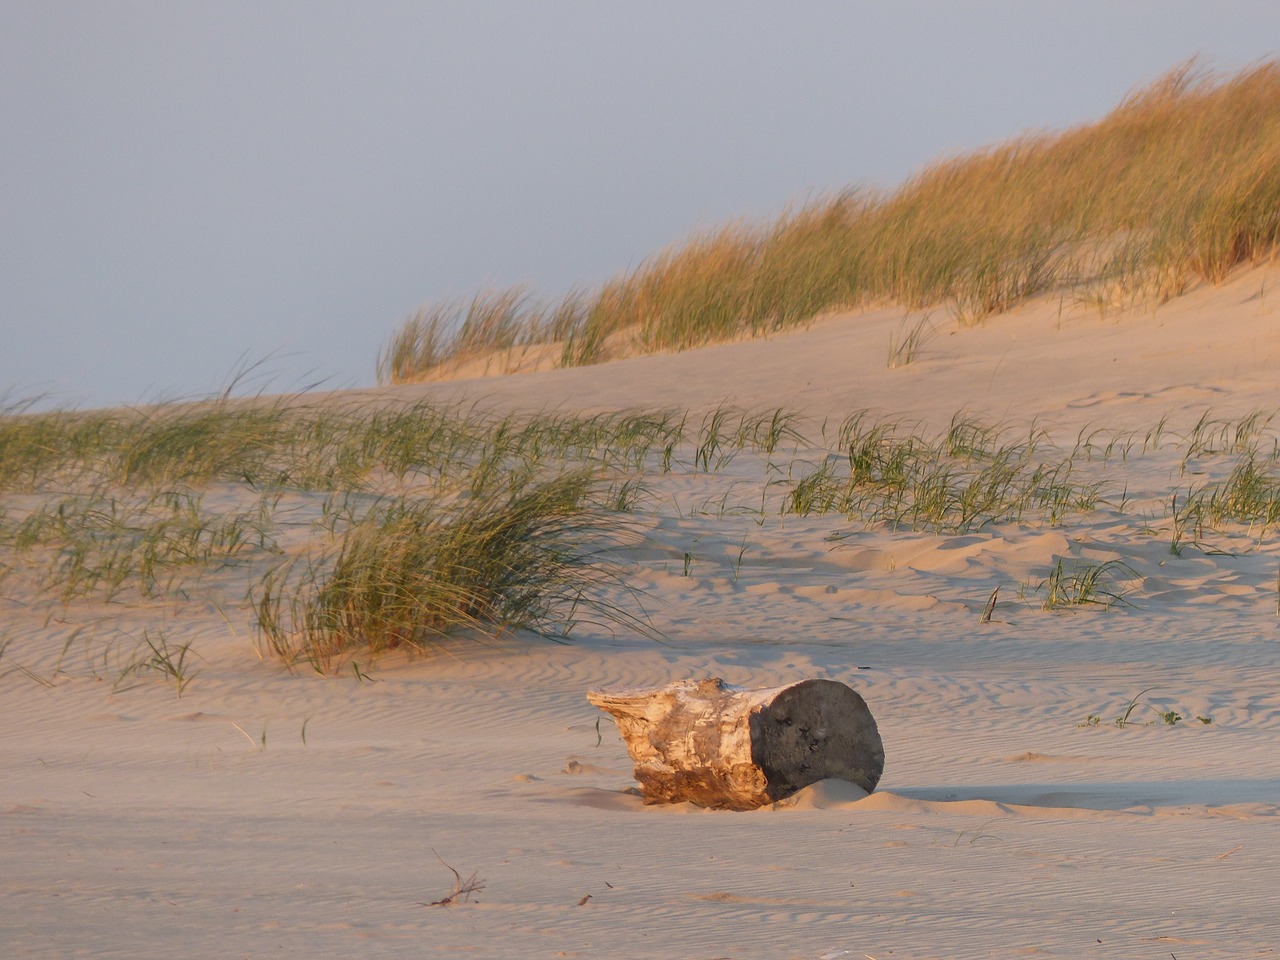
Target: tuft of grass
[1179,183]
[1086,584]
[1095,719]
[58,447]
[1250,494]
[159,655]
[1123,719]
[1187,520]
[768,431]
[196,444]
[907,342]
[1169,717]
[965,480]
[1210,436]
[411,572]
[97,545]
[460,330]
[715,447]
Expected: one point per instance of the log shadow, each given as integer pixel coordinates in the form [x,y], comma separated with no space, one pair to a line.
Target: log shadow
[1159,795]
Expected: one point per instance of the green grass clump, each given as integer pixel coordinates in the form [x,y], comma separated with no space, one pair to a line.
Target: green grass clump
[56,447]
[411,572]
[156,654]
[85,545]
[1179,183]
[1082,584]
[197,444]
[1250,494]
[965,480]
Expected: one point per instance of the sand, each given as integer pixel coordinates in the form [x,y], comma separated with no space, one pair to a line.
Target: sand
[269,814]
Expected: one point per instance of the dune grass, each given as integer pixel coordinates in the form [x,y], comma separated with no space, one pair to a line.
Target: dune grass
[1078,583]
[1180,183]
[1249,494]
[95,544]
[411,572]
[424,520]
[966,479]
[341,531]
[156,654]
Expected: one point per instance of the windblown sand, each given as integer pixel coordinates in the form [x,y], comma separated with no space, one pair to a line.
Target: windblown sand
[265,814]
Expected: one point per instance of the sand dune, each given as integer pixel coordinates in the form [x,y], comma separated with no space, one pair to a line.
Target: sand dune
[1212,348]
[269,814]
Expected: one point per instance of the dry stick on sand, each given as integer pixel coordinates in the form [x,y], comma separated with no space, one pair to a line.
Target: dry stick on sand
[461,888]
[991,606]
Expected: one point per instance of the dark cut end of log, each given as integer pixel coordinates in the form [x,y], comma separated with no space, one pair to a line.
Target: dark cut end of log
[816,730]
[716,745]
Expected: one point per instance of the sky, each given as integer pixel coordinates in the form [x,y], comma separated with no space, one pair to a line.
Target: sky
[194,188]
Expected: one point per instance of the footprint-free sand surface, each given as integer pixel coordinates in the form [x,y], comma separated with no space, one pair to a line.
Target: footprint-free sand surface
[270,814]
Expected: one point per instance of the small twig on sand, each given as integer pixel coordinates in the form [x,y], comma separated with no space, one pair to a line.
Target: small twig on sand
[462,889]
[990,607]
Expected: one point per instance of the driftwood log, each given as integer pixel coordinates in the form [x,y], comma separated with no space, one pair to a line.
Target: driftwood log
[723,746]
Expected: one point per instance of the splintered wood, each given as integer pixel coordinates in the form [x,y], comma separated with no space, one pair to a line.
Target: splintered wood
[718,745]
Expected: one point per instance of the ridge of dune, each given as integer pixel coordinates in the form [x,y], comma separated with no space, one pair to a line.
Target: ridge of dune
[1052,358]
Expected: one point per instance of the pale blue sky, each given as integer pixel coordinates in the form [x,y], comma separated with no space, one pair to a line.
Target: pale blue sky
[188,185]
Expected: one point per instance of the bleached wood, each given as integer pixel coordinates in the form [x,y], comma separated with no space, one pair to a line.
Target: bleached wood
[723,746]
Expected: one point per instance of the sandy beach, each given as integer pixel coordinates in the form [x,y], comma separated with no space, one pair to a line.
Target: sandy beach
[264,813]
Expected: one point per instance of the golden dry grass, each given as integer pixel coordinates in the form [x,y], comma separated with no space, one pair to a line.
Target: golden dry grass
[1179,183]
